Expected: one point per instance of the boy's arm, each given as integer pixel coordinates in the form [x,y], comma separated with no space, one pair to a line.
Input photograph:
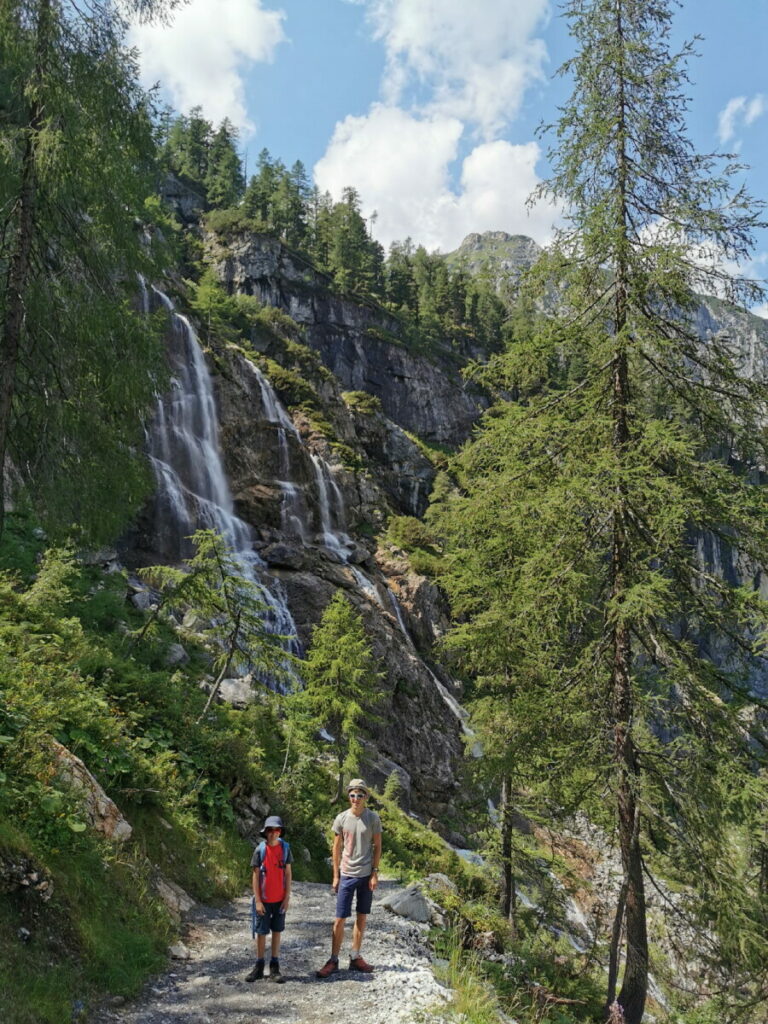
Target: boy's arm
[257,891]
[288,880]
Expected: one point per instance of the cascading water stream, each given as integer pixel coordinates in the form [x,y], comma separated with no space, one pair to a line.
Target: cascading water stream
[460,712]
[295,515]
[192,488]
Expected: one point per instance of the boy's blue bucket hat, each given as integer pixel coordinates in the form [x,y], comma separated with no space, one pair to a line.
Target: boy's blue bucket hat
[273,821]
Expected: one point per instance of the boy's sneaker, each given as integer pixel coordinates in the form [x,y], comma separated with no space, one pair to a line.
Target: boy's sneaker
[256,973]
[358,964]
[275,975]
[328,968]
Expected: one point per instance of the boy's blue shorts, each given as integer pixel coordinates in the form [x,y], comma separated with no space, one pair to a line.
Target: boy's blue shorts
[272,920]
[347,888]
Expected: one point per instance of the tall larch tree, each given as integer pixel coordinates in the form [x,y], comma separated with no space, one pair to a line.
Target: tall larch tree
[577,538]
[77,364]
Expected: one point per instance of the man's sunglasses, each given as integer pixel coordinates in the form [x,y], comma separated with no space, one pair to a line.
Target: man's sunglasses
[358,796]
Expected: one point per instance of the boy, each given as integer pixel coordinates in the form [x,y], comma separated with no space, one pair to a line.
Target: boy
[271,863]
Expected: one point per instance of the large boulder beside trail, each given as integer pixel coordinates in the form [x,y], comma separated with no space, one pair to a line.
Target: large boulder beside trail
[101,813]
[415,901]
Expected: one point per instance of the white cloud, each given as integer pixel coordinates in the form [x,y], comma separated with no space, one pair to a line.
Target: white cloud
[761,310]
[200,57]
[452,68]
[399,163]
[737,113]
[474,60]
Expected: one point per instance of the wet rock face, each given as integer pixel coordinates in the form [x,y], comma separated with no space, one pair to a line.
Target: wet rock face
[414,729]
[360,344]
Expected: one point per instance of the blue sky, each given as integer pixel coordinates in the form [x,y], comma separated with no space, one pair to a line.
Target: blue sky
[429,107]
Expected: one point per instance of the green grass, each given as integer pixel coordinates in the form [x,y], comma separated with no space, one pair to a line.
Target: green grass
[101,931]
[474,1000]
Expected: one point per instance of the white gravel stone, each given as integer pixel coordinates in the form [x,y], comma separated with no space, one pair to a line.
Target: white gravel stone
[212,986]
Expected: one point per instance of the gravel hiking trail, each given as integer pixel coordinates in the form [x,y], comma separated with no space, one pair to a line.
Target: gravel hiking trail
[210,987]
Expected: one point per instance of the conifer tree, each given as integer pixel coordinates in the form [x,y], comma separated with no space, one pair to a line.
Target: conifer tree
[341,684]
[214,586]
[77,363]
[578,536]
[224,182]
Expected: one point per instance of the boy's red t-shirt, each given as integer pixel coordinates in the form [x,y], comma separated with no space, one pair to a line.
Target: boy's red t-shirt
[273,879]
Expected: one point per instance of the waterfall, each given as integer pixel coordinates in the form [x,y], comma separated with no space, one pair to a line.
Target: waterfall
[331,508]
[192,488]
[398,615]
[460,713]
[367,587]
[294,513]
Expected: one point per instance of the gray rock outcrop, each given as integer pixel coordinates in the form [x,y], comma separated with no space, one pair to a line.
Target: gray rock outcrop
[359,342]
[102,813]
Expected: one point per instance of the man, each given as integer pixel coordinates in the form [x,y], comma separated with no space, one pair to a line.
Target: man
[356,856]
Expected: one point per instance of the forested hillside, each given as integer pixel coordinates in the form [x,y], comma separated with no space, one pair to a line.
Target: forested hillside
[279,508]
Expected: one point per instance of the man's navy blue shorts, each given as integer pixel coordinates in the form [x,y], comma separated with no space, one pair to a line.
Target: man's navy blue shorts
[347,888]
[272,920]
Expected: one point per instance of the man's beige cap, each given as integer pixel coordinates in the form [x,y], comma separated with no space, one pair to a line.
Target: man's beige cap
[357,784]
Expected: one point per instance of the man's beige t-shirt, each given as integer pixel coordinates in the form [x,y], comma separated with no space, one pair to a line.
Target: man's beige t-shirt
[357,841]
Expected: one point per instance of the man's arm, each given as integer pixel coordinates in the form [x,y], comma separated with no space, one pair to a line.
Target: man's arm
[288,880]
[375,861]
[336,860]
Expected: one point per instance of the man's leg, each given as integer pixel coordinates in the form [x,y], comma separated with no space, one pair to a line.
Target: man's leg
[363,908]
[358,931]
[343,910]
[337,935]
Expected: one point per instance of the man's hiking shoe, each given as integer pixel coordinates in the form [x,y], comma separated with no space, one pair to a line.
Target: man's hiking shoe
[256,973]
[275,975]
[358,964]
[328,968]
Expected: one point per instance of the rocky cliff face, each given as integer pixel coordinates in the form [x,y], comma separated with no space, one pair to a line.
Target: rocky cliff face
[361,344]
[300,489]
[313,518]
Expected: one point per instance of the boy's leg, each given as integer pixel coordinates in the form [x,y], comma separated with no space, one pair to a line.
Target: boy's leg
[261,945]
[276,936]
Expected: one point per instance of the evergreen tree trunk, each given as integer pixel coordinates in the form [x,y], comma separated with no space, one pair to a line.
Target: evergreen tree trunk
[635,980]
[19,263]
[613,957]
[508,893]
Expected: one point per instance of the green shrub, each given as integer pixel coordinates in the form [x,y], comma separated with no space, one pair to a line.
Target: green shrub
[409,533]
[362,402]
[232,221]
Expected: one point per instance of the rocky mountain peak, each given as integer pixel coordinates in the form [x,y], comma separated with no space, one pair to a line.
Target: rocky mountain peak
[500,255]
